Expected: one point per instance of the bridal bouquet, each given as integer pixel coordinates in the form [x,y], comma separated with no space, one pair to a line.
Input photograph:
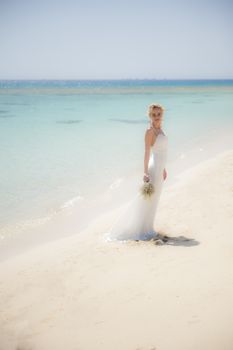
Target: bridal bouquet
[147,189]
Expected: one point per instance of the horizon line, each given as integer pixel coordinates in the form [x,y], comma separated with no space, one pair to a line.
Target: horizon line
[111,79]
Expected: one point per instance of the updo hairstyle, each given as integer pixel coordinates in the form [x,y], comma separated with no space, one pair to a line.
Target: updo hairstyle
[153,107]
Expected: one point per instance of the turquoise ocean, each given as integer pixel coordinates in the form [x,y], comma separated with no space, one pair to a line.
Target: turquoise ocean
[77,146]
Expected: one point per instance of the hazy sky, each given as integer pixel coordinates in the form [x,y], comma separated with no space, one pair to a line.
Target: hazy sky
[52,39]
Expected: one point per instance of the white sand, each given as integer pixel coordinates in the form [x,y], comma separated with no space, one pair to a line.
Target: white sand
[82,293]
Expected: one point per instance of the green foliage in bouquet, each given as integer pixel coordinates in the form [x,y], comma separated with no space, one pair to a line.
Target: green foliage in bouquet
[147,189]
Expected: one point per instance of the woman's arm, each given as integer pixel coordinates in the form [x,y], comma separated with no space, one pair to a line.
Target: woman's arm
[148,142]
[164,174]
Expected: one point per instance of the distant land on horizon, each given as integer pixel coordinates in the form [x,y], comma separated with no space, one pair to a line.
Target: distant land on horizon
[119,79]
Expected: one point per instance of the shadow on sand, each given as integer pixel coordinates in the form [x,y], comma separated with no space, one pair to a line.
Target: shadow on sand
[162,239]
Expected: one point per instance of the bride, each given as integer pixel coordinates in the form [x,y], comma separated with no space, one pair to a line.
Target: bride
[137,222]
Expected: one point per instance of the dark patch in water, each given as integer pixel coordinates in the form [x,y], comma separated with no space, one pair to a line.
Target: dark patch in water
[3,111]
[16,103]
[6,116]
[129,121]
[69,121]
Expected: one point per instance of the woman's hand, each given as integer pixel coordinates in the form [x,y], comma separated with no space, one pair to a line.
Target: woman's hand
[146,177]
[164,174]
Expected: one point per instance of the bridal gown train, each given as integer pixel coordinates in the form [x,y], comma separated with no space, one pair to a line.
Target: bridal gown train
[137,221]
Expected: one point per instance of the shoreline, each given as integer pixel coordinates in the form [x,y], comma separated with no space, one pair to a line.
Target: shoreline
[55,228]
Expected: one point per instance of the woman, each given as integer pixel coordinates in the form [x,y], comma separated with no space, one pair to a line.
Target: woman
[137,222]
[155,113]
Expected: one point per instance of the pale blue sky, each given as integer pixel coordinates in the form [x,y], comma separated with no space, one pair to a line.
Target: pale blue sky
[48,39]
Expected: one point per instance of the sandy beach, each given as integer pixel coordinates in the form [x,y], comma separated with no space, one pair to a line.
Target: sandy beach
[83,293]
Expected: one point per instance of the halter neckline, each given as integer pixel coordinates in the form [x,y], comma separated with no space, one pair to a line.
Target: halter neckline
[159,132]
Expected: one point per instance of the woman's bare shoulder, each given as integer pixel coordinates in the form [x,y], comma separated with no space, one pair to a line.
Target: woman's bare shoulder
[149,131]
[149,128]
[148,135]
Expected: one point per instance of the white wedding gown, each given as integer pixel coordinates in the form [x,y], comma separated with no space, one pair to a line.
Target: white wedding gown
[137,221]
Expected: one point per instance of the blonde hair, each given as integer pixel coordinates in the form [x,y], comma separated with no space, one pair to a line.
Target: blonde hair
[154,106]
